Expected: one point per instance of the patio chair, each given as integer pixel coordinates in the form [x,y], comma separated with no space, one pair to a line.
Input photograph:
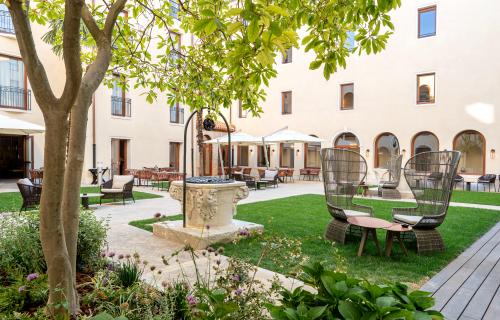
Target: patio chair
[343,172]
[118,187]
[144,176]
[314,174]
[289,174]
[30,193]
[387,189]
[282,175]
[271,177]
[303,173]
[430,176]
[247,171]
[457,180]
[488,179]
[250,181]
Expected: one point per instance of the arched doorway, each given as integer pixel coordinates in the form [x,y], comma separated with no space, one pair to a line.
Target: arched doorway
[423,142]
[472,145]
[207,157]
[386,146]
[347,140]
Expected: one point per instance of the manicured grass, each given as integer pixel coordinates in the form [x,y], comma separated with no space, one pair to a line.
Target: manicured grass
[11,201]
[305,218]
[491,198]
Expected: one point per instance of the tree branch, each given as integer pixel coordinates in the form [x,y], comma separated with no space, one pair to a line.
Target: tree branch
[90,23]
[113,13]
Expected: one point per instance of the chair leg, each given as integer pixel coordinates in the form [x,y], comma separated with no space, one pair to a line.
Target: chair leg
[428,240]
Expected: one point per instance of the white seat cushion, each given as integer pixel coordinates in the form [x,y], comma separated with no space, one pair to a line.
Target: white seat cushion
[407,219]
[111,190]
[25,181]
[120,181]
[270,174]
[353,213]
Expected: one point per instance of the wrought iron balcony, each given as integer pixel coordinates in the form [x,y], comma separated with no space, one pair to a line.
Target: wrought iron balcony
[15,98]
[120,106]
[177,115]
[6,25]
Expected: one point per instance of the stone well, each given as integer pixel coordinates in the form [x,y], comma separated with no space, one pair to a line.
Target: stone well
[207,204]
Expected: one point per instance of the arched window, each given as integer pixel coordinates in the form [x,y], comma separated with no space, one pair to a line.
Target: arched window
[347,140]
[472,145]
[386,146]
[424,141]
[312,154]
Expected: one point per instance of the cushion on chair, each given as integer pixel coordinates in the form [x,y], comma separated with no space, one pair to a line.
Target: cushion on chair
[407,219]
[112,190]
[270,174]
[120,181]
[25,181]
[354,213]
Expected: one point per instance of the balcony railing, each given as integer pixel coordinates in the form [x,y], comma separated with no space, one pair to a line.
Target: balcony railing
[174,9]
[15,98]
[121,107]
[177,115]
[6,25]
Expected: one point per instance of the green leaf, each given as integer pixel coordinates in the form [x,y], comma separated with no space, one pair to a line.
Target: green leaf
[291,314]
[384,302]
[253,30]
[315,64]
[211,27]
[277,10]
[349,310]
[316,312]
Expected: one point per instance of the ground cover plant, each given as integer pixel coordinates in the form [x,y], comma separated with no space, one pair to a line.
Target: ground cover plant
[305,217]
[11,201]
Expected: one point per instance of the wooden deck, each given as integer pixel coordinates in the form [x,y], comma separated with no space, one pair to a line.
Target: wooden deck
[468,288]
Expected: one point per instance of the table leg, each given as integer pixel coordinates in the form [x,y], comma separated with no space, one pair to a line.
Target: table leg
[85,202]
[401,244]
[388,245]
[363,241]
[374,234]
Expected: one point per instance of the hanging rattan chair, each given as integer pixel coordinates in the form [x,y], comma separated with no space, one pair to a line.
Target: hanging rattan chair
[387,188]
[430,176]
[343,172]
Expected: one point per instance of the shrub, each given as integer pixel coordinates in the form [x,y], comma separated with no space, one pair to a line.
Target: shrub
[337,296]
[129,273]
[24,293]
[21,249]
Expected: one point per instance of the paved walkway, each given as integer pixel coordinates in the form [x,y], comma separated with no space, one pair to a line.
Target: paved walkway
[468,288]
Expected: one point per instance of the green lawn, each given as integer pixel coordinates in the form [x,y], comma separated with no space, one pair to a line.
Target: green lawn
[11,201]
[305,218]
[491,198]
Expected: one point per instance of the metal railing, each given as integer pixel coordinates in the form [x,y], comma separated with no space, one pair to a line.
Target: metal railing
[177,115]
[15,98]
[174,9]
[6,25]
[121,107]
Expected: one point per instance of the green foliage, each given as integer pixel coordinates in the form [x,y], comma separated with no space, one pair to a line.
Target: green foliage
[22,294]
[335,295]
[129,273]
[21,249]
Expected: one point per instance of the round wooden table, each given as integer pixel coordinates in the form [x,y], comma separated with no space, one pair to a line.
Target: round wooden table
[369,225]
[394,231]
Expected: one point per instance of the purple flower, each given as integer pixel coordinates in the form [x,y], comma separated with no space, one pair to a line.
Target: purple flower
[32,276]
[235,277]
[157,215]
[238,291]
[191,300]
[244,233]
[121,256]
[111,254]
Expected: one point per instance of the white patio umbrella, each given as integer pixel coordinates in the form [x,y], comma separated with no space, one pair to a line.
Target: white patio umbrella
[239,138]
[13,126]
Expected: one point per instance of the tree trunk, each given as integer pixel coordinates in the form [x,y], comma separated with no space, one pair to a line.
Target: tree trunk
[59,270]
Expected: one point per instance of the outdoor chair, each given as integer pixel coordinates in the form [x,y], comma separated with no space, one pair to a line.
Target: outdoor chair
[261,172]
[160,178]
[303,173]
[282,175]
[430,176]
[36,176]
[314,174]
[248,179]
[457,180]
[30,193]
[271,177]
[343,172]
[144,176]
[487,179]
[387,189]
[289,174]
[247,171]
[118,187]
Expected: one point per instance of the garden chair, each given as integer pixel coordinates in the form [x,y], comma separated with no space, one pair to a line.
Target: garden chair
[457,180]
[30,193]
[118,187]
[247,171]
[489,179]
[387,189]
[430,176]
[343,172]
[314,174]
[248,179]
[303,173]
[271,177]
[289,174]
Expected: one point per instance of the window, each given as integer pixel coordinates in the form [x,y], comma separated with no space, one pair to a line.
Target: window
[386,146]
[472,145]
[350,42]
[347,140]
[13,83]
[176,114]
[287,156]
[424,142]
[175,52]
[347,96]
[120,105]
[427,22]
[174,155]
[312,156]
[261,157]
[286,102]
[174,9]
[241,112]
[243,156]
[287,57]
[425,88]
[6,25]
